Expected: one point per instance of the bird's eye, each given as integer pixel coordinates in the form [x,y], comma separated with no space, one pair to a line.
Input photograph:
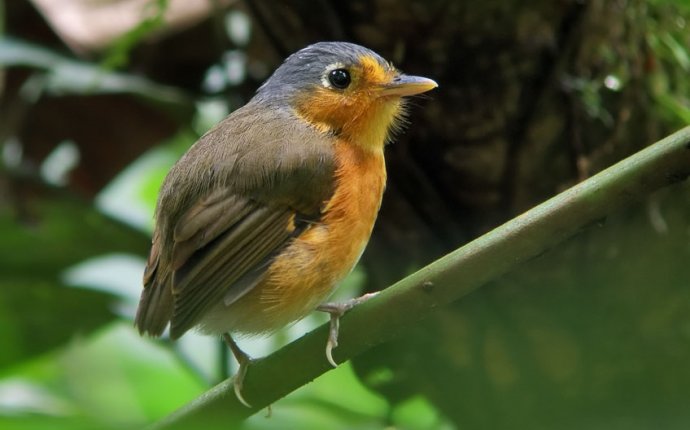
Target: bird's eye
[339,78]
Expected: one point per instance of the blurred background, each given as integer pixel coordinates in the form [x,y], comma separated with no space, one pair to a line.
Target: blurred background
[99,97]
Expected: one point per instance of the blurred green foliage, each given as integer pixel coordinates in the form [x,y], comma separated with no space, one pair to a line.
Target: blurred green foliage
[152,19]
[64,75]
[599,343]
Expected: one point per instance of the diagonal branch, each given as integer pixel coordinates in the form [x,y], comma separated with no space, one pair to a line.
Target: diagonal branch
[447,279]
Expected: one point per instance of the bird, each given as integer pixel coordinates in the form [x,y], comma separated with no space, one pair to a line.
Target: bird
[258,222]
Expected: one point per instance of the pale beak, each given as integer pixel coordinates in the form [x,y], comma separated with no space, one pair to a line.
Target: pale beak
[404,85]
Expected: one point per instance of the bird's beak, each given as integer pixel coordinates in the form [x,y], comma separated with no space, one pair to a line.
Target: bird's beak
[404,85]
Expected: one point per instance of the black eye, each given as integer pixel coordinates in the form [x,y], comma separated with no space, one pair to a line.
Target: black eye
[339,78]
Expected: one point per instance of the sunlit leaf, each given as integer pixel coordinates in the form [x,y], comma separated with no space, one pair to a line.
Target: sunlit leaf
[71,76]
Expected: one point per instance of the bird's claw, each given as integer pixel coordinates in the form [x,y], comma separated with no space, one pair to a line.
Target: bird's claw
[337,310]
[333,338]
[238,382]
[244,361]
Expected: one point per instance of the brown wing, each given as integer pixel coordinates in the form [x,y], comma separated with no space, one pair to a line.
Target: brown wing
[216,248]
[208,265]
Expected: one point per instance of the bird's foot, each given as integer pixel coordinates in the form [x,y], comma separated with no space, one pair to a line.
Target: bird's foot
[244,361]
[337,310]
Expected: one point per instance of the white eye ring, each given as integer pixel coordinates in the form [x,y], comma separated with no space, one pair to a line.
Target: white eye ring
[324,78]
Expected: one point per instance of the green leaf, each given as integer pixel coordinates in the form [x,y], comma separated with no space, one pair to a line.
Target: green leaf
[37,316]
[37,311]
[58,232]
[111,379]
[66,75]
[118,54]
[678,50]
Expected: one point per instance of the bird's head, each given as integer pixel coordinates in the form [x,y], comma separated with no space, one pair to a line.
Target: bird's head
[343,89]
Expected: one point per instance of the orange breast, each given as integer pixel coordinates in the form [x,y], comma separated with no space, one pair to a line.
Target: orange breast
[308,270]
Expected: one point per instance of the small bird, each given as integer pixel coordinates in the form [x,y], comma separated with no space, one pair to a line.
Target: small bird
[263,216]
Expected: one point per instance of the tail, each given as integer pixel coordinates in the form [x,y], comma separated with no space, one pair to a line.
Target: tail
[156,303]
[155,309]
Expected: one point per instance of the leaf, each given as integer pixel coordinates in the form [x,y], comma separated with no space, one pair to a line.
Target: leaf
[66,389]
[118,54]
[37,312]
[37,316]
[678,50]
[69,76]
[56,232]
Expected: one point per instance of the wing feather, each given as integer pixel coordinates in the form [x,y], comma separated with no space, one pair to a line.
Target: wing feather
[210,221]
[214,271]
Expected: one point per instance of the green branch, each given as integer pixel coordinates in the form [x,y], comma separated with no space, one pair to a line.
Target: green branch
[447,279]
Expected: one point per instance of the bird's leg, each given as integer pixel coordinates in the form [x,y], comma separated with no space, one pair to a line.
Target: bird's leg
[337,310]
[244,361]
